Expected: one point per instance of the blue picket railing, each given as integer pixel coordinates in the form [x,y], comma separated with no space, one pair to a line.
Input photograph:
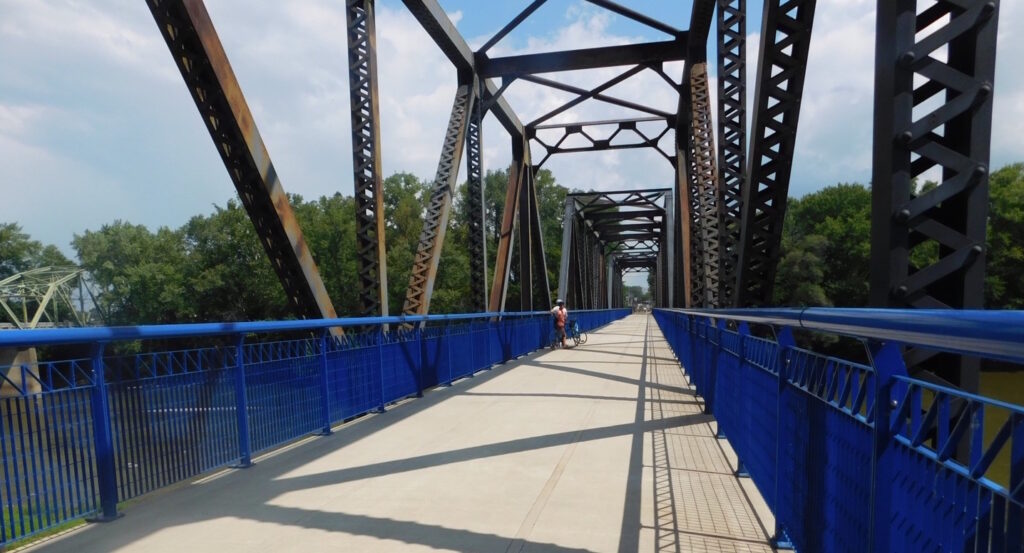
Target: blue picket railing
[841,470]
[80,435]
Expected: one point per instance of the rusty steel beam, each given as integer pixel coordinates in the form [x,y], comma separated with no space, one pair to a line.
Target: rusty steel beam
[706,178]
[525,240]
[503,259]
[435,220]
[371,254]
[200,57]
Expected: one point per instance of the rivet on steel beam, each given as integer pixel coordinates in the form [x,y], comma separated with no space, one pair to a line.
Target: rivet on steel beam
[980,171]
[906,137]
[907,58]
[978,249]
[901,291]
[902,216]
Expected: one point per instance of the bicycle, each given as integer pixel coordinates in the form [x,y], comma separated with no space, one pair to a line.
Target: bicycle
[578,337]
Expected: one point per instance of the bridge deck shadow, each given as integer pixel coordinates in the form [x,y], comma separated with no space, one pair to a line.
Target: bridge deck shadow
[590,449]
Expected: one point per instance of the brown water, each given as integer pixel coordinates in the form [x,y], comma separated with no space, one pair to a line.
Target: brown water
[1008,387]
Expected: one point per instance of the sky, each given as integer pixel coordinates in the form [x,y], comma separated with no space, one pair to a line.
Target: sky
[97,125]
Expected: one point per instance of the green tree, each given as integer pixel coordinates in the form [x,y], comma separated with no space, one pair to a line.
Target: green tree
[141,275]
[228,272]
[1004,285]
[18,252]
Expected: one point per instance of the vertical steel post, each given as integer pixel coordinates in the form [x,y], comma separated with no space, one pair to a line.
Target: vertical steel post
[955,135]
[563,269]
[525,241]
[732,139]
[706,181]
[668,248]
[475,206]
[371,253]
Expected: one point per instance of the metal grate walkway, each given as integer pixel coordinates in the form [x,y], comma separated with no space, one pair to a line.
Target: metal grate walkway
[599,448]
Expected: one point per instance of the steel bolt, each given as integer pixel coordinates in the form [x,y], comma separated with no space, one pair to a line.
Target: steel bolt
[907,58]
[905,137]
[903,215]
[902,291]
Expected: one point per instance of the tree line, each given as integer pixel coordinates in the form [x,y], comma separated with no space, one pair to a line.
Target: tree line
[213,268]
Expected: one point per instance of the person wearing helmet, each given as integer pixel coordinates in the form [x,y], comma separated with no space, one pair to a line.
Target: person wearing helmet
[560,316]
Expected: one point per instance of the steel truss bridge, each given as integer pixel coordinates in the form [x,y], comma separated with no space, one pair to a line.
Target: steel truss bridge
[898,440]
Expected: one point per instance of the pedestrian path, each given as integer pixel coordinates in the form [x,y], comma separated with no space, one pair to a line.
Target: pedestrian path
[603,447]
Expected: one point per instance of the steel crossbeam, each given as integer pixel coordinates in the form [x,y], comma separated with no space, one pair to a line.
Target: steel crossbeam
[366,164]
[781,67]
[197,51]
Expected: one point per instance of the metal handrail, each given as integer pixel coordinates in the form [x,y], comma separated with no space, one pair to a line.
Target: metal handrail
[54,336]
[984,333]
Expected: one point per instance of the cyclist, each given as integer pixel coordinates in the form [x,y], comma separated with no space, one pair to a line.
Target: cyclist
[560,316]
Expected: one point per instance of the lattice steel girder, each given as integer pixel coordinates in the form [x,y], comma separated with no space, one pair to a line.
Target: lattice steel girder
[782,64]
[706,176]
[540,263]
[945,121]
[525,241]
[435,220]
[585,58]
[732,139]
[200,57]
[626,136]
[503,257]
[567,236]
[475,207]
[435,21]
[371,253]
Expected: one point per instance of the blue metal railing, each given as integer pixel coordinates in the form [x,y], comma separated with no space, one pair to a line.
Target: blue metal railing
[81,435]
[841,470]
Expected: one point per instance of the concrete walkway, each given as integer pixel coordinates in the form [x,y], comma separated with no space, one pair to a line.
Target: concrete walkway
[599,448]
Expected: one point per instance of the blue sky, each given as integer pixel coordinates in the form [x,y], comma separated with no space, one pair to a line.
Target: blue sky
[96,124]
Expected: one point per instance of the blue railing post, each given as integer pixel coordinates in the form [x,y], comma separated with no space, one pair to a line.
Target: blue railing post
[420,346]
[106,472]
[886,360]
[448,348]
[241,405]
[784,339]
[380,367]
[325,390]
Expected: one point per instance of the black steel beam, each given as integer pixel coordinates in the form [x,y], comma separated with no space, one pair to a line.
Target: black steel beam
[371,253]
[638,17]
[732,139]
[700,27]
[477,228]
[584,58]
[197,51]
[913,134]
[706,180]
[782,65]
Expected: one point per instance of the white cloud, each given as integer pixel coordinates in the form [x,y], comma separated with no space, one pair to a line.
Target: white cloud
[94,114]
